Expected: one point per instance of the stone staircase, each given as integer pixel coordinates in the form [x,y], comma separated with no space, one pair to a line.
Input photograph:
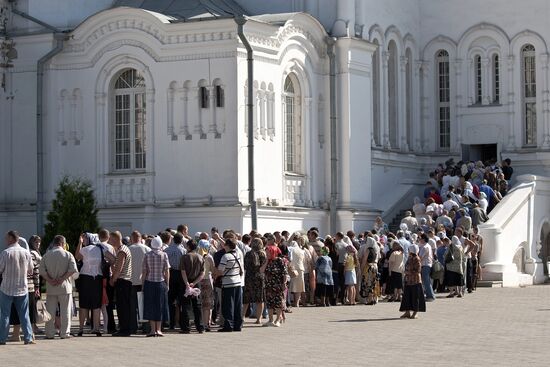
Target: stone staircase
[394,225]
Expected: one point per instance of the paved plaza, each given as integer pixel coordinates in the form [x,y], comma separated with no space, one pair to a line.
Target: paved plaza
[497,327]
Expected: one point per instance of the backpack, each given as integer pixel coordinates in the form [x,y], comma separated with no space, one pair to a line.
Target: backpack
[105,267]
[371,257]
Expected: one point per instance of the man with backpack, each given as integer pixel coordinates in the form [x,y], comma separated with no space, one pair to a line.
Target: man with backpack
[231,269]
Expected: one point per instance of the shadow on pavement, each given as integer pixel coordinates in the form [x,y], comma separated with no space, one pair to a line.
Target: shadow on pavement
[368,320]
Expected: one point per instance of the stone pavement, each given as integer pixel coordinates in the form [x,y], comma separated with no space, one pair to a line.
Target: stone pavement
[498,327]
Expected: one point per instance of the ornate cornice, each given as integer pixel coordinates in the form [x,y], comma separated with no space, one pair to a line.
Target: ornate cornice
[140,25]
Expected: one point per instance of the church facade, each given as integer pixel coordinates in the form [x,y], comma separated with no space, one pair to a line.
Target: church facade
[149,103]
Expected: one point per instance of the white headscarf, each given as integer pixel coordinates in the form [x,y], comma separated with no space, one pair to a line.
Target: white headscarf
[455,241]
[156,243]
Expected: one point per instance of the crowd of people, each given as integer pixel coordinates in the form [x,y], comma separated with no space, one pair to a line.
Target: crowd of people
[155,282]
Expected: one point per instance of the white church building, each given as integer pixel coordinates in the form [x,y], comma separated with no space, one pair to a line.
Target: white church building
[354,102]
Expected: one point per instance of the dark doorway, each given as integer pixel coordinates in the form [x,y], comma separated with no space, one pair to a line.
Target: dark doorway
[479,152]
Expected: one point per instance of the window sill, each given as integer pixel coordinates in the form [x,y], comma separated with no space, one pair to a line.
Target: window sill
[478,105]
[294,175]
[129,173]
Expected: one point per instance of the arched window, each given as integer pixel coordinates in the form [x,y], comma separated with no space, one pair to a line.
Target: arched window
[496,79]
[409,96]
[293,125]
[443,100]
[376,95]
[129,142]
[479,89]
[528,66]
[392,93]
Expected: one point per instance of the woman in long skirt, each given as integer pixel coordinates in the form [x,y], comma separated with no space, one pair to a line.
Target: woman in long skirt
[155,287]
[413,296]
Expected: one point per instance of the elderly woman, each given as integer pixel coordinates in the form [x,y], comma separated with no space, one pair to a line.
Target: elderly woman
[369,268]
[413,294]
[275,286]
[325,283]
[454,268]
[255,262]
[206,285]
[90,288]
[297,261]
[156,277]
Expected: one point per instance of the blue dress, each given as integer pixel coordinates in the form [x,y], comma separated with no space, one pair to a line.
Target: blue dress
[323,269]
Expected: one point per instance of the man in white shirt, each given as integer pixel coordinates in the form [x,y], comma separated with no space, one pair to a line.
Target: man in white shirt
[426,258]
[450,203]
[15,265]
[231,269]
[138,251]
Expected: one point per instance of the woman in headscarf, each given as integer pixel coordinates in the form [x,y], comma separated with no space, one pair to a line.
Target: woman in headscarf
[275,285]
[255,262]
[454,268]
[413,294]
[369,265]
[297,259]
[325,283]
[156,277]
[206,285]
[90,287]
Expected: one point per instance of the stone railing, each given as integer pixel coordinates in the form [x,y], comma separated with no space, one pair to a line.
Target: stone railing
[517,226]
[127,189]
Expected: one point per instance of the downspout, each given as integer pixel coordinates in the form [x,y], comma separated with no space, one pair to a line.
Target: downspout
[240,20]
[333,138]
[59,37]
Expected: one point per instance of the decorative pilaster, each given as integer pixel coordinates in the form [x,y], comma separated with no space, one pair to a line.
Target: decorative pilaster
[402,104]
[544,59]
[510,62]
[486,80]
[384,118]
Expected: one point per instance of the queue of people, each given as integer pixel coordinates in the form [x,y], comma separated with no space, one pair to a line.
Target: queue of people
[156,281]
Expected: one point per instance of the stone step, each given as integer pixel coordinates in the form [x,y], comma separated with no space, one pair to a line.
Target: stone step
[489,283]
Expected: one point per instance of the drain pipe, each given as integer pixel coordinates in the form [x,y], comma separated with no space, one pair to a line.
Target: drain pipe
[333,137]
[240,20]
[59,37]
